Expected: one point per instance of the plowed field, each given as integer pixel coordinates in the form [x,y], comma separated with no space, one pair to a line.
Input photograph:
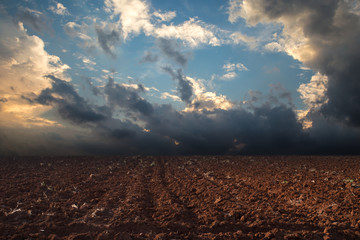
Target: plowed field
[293,197]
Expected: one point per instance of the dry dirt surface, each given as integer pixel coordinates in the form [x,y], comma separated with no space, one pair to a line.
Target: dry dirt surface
[293,197]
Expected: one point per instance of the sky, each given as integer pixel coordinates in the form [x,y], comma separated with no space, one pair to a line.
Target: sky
[124,77]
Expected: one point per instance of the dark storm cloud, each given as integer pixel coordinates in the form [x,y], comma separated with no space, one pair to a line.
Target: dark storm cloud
[123,133]
[35,19]
[107,40]
[264,126]
[184,87]
[55,136]
[69,104]
[122,97]
[169,48]
[279,93]
[261,130]
[333,31]
[338,57]
[276,9]
[330,137]
[258,129]
[149,57]
[344,97]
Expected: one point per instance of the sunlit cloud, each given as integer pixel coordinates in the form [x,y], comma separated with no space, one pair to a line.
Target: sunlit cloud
[166,95]
[316,35]
[22,72]
[149,77]
[136,17]
[59,8]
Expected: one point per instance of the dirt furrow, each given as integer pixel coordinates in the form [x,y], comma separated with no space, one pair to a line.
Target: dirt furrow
[195,197]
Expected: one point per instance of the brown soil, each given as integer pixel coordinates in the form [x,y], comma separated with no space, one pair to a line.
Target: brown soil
[180,198]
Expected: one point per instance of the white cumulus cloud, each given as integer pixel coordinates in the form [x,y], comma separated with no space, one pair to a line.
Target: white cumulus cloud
[313,93]
[193,32]
[231,69]
[229,76]
[59,9]
[165,17]
[23,65]
[205,100]
[135,16]
[166,95]
[241,67]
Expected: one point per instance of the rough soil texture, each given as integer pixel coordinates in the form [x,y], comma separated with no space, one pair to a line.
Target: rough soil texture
[276,197]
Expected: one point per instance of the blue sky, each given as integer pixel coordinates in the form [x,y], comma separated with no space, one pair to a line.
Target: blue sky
[86,69]
[204,61]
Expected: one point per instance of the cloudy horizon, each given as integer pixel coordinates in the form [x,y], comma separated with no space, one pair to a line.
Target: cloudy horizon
[123,77]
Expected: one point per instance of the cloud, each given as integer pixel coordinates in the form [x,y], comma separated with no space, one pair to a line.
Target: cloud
[184,87]
[204,100]
[106,40]
[264,129]
[95,129]
[231,68]
[87,62]
[94,89]
[263,126]
[165,17]
[25,61]
[192,32]
[114,119]
[314,93]
[234,10]
[76,30]
[82,32]
[137,87]
[149,57]
[20,141]
[195,94]
[123,134]
[23,64]
[126,98]
[169,48]
[322,35]
[229,76]
[274,47]
[136,17]
[59,9]
[209,101]
[35,19]
[166,95]
[239,38]
[241,67]
[69,104]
